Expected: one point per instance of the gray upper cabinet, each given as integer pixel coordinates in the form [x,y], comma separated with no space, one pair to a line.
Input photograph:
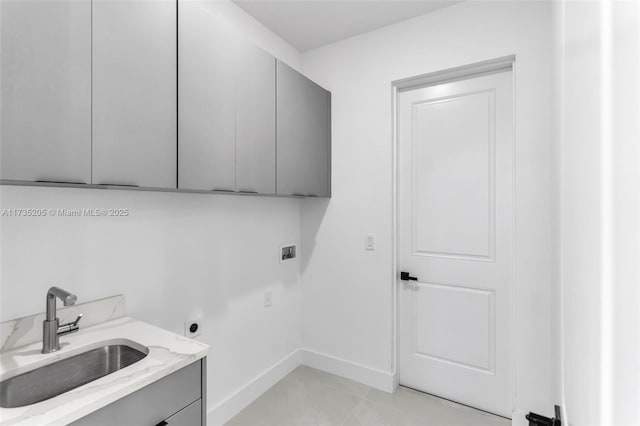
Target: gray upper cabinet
[255,119]
[226,110]
[45,69]
[134,93]
[139,93]
[303,135]
[206,114]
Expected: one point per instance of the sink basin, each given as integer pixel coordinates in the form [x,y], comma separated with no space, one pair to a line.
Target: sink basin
[67,374]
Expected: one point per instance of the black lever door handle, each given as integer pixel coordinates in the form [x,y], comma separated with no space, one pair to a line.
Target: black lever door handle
[404,276]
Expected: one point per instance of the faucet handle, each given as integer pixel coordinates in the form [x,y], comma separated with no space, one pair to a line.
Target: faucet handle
[70,327]
[77,320]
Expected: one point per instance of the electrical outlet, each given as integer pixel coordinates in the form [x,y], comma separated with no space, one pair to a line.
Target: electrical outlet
[193,328]
[267,299]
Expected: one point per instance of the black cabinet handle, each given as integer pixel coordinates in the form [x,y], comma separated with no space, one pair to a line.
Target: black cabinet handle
[162,423]
[404,276]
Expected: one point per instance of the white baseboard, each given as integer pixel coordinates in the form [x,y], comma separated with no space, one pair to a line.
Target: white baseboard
[241,398]
[378,379]
[518,419]
[396,380]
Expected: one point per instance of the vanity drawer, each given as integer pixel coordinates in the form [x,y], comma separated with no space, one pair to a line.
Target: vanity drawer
[154,403]
[188,416]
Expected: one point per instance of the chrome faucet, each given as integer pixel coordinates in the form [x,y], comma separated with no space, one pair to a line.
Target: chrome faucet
[51,328]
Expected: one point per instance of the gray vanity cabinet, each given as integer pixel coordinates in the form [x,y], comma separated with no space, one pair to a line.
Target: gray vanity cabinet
[178,399]
[206,115]
[45,73]
[134,93]
[188,416]
[303,135]
[255,119]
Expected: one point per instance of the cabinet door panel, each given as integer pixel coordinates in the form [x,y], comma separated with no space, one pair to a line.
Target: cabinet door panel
[207,152]
[303,135]
[152,404]
[188,416]
[134,92]
[255,120]
[45,72]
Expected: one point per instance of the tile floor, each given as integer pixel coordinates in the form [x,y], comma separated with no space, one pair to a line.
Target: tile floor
[311,397]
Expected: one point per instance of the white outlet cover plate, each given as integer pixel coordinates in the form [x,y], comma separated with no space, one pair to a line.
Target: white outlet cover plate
[187,326]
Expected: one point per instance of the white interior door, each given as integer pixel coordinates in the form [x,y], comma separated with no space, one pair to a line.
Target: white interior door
[455,236]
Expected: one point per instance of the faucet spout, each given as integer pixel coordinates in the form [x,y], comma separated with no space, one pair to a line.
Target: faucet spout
[67,298]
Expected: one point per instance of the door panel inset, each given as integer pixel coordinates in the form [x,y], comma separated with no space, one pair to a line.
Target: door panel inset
[455,325]
[453,177]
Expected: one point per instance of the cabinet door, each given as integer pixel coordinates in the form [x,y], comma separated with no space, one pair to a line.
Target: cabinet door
[134,93]
[188,416]
[45,75]
[303,135]
[255,120]
[206,115]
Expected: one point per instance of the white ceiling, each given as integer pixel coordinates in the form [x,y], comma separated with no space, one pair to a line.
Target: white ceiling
[307,24]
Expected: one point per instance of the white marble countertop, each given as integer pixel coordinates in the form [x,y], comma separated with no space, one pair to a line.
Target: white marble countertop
[168,352]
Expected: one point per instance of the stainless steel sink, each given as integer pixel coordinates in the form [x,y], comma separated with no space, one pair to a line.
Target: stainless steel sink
[67,374]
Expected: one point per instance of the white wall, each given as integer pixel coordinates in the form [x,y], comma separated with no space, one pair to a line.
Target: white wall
[581,199]
[625,197]
[347,292]
[175,256]
[226,13]
[600,212]
[556,294]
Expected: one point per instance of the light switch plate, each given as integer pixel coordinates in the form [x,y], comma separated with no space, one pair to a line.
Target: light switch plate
[370,242]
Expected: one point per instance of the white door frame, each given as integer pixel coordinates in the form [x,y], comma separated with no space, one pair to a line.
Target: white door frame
[451,74]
